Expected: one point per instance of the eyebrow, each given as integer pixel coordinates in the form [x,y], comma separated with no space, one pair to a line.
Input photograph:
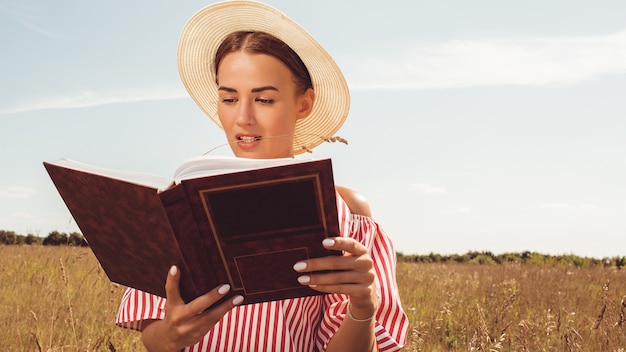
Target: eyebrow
[264,88]
[253,90]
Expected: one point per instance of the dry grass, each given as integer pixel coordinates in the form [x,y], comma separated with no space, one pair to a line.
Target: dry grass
[58,299]
[469,307]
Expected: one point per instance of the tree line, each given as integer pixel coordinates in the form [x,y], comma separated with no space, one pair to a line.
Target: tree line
[54,238]
[526,257]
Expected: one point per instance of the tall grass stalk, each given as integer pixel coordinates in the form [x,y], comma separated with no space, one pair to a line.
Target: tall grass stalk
[513,307]
[58,299]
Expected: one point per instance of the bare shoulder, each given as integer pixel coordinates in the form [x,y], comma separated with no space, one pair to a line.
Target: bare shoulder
[356,201]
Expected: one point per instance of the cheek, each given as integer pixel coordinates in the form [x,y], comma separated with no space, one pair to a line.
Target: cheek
[284,124]
[225,117]
[288,117]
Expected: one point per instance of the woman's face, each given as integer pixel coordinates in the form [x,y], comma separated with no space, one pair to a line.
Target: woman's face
[258,105]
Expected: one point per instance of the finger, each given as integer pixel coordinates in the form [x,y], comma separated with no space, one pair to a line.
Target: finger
[202,303]
[172,288]
[345,244]
[216,312]
[356,292]
[352,249]
[359,293]
[349,262]
[365,278]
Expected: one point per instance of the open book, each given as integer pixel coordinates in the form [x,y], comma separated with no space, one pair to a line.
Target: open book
[244,222]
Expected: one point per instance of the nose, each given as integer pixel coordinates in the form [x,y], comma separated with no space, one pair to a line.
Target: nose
[245,114]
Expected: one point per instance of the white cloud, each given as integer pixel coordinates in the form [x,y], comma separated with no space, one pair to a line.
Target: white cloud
[16,192]
[558,205]
[567,206]
[90,99]
[491,62]
[27,16]
[22,216]
[426,188]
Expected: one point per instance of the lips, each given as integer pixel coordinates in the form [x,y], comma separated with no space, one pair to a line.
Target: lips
[248,139]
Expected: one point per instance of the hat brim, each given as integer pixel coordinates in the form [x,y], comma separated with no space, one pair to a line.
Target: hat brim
[206,30]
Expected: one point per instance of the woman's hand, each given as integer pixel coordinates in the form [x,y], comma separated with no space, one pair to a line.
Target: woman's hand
[186,324]
[352,274]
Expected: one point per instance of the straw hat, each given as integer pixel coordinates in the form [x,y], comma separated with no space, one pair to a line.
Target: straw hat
[205,31]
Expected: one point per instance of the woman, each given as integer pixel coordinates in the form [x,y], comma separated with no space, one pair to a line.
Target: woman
[275,98]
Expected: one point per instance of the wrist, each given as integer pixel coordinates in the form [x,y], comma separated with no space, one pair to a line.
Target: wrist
[361,314]
[155,339]
[364,311]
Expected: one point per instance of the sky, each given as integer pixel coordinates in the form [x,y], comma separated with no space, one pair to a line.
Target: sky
[474,125]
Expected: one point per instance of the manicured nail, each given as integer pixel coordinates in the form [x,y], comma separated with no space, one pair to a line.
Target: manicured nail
[328,242]
[223,289]
[173,270]
[299,266]
[304,279]
[237,300]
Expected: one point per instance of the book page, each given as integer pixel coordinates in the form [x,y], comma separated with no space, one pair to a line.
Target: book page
[143,179]
[209,165]
[195,167]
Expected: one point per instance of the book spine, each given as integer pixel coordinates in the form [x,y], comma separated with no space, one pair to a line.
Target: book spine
[198,274]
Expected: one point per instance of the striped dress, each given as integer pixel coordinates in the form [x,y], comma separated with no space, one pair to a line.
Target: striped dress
[300,324]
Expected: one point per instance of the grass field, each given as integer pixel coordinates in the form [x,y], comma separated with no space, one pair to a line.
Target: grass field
[470,307]
[58,299]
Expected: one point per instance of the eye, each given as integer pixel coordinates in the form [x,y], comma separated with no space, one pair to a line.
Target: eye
[229,100]
[265,101]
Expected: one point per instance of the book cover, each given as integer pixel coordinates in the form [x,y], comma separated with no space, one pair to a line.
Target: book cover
[245,228]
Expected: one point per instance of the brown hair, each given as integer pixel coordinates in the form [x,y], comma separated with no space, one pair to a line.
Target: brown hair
[263,43]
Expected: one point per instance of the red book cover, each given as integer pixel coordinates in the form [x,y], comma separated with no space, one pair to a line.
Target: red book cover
[246,228]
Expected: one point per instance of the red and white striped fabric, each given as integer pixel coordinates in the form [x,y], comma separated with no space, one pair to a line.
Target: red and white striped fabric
[298,325]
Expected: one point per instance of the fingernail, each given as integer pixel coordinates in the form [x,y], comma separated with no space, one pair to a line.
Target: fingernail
[304,279]
[173,270]
[223,289]
[237,300]
[299,266]
[328,242]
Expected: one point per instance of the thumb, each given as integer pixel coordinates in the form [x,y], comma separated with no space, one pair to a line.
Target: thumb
[172,287]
